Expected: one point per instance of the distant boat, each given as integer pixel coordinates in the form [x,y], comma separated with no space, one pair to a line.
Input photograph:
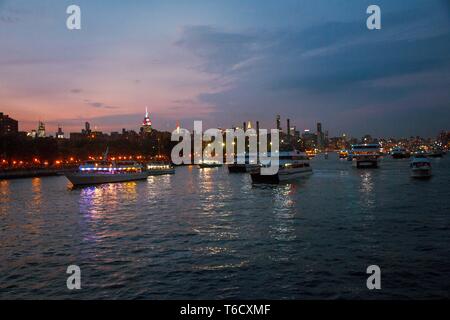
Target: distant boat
[366,155]
[436,153]
[99,172]
[343,154]
[421,167]
[292,165]
[400,153]
[210,164]
[159,168]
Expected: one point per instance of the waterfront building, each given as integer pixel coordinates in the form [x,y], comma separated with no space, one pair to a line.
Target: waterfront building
[8,125]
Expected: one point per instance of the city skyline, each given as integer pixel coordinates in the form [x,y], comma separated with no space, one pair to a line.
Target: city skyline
[225,63]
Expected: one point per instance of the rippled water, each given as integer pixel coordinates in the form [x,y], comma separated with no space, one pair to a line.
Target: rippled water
[206,234]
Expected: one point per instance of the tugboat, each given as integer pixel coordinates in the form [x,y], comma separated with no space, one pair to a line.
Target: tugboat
[365,155]
[421,167]
[400,153]
[159,168]
[292,165]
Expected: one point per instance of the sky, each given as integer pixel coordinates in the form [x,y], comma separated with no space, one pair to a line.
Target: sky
[228,61]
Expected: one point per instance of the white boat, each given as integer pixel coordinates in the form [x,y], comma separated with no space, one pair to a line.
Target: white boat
[292,165]
[99,172]
[365,155]
[421,167]
[159,168]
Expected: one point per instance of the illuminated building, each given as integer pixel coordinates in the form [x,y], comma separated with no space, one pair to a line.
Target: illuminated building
[147,124]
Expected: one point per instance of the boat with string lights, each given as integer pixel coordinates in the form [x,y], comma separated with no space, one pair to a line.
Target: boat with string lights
[100,172]
[159,168]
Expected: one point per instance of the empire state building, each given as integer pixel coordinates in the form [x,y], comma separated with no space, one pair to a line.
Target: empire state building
[147,123]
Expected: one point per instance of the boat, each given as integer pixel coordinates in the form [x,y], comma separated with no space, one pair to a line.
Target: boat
[159,168]
[343,154]
[249,166]
[366,155]
[99,172]
[400,153]
[292,165]
[210,164]
[421,167]
[436,153]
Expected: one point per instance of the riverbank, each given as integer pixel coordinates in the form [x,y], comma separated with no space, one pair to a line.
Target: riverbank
[33,173]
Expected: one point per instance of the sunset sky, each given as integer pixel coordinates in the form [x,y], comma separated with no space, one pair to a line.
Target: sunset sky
[225,62]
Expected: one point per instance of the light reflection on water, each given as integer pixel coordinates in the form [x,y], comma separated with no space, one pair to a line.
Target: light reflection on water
[208,234]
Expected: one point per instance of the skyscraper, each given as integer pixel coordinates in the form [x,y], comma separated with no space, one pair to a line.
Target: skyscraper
[41,130]
[147,124]
[278,122]
[320,136]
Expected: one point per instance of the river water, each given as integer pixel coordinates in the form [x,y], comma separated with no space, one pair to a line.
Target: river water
[207,234]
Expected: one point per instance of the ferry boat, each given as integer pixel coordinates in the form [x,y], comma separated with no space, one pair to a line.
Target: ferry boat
[420,167]
[210,164]
[99,172]
[400,153]
[159,168]
[292,165]
[365,155]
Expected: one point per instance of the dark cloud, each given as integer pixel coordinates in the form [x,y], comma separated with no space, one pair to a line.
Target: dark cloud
[328,69]
[99,105]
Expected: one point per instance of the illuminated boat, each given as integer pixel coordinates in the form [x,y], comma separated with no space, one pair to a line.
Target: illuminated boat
[292,165]
[365,155]
[421,167]
[159,168]
[343,154]
[99,172]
